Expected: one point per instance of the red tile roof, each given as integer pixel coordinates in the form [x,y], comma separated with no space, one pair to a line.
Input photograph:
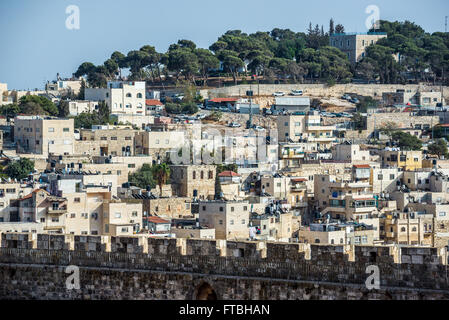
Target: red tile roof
[153,102]
[31,194]
[228,174]
[155,219]
[219,100]
[361,166]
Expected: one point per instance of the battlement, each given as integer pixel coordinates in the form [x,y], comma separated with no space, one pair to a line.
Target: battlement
[400,268]
[254,250]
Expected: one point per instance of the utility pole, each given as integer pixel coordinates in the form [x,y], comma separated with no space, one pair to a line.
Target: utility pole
[249,94]
[445,25]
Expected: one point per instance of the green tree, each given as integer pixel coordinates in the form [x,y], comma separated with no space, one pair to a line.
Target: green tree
[438,148]
[63,109]
[143,177]
[9,110]
[339,28]
[20,169]
[35,105]
[406,141]
[183,61]
[161,174]
[231,62]
[120,60]
[206,62]
[389,129]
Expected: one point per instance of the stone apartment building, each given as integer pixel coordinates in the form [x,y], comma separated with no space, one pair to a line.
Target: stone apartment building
[106,142]
[273,227]
[230,219]
[344,199]
[354,44]
[193,180]
[68,85]
[122,217]
[350,152]
[337,233]
[120,96]
[159,144]
[406,228]
[407,160]
[307,127]
[44,135]
[168,207]
[9,193]
[42,207]
[292,155]
[291,188]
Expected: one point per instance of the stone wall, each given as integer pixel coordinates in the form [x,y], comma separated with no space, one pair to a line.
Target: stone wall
[320,90]
[159,268]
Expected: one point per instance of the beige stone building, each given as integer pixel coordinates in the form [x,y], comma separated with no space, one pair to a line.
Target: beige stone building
[350,152]
[230,219]
[276,227]
[159,143]
[44,135]
[337,234]
[10,191]
[344,199]
[106,142]
[193,180]
[307,127]
[122,217]
[168,207]
[407,160]
[354,44]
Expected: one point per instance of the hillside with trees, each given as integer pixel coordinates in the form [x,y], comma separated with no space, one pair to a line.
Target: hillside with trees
[283,56]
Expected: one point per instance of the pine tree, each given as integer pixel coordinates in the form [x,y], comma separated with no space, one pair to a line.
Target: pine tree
[331,27]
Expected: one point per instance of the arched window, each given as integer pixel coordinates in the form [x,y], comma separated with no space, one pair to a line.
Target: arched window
[139,95]
[128,95]
[414,229]
[317,240]
[403,229]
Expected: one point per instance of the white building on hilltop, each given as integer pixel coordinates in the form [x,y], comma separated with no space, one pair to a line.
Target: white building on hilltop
[122,97]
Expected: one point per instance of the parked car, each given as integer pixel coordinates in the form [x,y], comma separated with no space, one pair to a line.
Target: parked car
[346,97]
[296,93]
[234,125]
[279,94]
[258,128]
[354,100]
[346,115]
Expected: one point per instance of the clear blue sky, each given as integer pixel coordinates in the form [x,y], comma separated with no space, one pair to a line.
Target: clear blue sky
[35,43]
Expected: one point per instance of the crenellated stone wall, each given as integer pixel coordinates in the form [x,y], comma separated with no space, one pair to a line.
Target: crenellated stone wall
[141,267]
